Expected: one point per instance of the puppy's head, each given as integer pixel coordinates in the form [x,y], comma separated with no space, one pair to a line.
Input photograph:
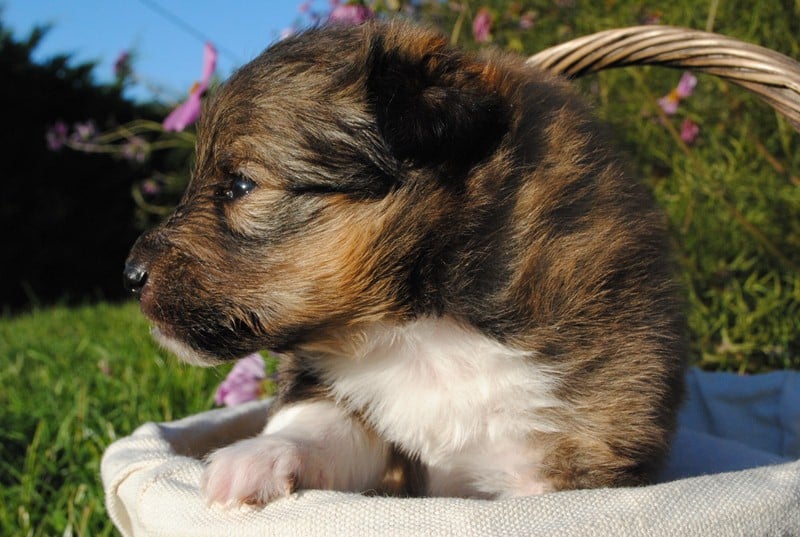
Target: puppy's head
[329,173]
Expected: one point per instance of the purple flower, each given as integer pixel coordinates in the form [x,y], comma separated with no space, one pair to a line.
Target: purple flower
[689,131]
[482,25]
[150,187]
[135,149]
[83,132]
[188,112]
[56,136]
[350,14]
[306,9]
[686,85]
[243,383]
[527,20]
[669,102]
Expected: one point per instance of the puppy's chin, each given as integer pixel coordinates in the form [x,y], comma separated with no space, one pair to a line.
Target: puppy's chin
[184,351]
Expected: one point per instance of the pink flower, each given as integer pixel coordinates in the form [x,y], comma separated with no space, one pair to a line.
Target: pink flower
[527,20]
[56,136]
[188,112]
[482,25]
[306,9]
[150,188]
[135,149]
[350,14]
[669,102]
[243,383]
[83,132]
[689,131]
[686,85]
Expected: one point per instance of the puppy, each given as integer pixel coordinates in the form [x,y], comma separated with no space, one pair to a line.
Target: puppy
[470,295]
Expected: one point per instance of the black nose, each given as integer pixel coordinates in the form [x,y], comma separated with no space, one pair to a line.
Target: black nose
[134,276]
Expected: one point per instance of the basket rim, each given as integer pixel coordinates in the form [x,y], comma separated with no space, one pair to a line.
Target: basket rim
[773,76]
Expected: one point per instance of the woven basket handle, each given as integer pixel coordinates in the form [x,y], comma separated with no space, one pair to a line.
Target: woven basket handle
[771,75]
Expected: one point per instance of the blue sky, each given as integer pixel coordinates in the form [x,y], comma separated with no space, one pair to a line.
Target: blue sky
[166,54]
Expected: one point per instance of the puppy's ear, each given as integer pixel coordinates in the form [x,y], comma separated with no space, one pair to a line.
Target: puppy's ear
[433,104]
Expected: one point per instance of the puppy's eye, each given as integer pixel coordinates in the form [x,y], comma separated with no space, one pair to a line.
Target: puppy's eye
[239,186]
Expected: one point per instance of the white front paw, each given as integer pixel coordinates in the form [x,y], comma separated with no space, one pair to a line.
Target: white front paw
[256,471]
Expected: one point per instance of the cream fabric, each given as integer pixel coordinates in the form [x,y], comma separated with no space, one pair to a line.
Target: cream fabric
[151,481]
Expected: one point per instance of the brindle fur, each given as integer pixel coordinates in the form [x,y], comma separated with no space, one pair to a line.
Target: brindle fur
[397,177]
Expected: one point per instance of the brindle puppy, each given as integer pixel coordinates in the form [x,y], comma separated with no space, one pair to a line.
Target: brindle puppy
[455,266]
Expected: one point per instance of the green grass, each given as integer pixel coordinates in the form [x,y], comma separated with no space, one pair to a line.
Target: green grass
[72,381]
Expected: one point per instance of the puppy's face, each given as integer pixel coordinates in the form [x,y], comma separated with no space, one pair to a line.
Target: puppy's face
[320,194]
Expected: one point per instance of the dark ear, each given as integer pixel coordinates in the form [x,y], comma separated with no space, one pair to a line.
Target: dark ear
[432,103]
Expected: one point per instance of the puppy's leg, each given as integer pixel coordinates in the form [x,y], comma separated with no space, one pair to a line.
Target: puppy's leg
[305,445]
[504,468]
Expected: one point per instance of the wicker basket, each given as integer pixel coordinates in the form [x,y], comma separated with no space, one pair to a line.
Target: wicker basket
[771,75]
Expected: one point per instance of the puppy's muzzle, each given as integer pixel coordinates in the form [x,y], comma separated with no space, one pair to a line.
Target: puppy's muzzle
[137,271]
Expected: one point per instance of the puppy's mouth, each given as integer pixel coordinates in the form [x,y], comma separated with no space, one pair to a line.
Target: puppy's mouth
[197,333]
[204,347]
[183,351]
[199,337]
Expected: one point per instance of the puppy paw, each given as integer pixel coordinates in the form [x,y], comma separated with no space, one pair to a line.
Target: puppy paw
[254,471]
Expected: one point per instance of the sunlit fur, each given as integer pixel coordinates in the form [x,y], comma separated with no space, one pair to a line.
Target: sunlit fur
[471,295]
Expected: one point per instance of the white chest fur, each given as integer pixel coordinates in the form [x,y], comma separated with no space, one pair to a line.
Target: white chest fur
[445,392]
[469,407]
